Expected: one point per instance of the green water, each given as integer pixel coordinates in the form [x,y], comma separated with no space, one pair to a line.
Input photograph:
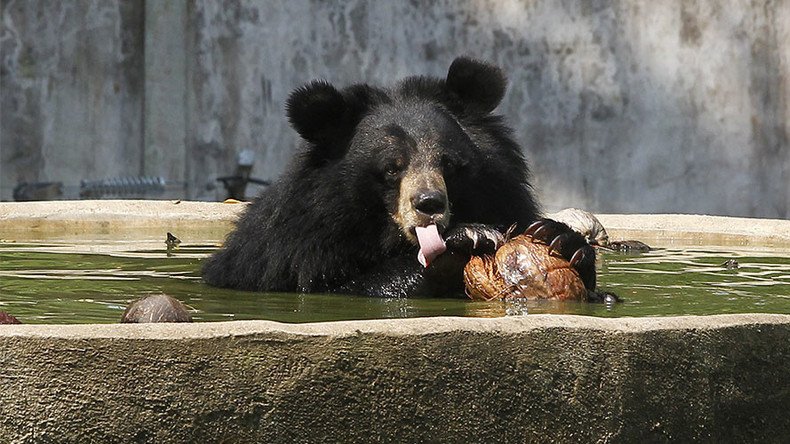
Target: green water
[67,283]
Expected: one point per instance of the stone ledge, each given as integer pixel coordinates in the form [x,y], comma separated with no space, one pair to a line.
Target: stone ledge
[211,221]
[535,378]
[116,219]
[388,327]
[685,229]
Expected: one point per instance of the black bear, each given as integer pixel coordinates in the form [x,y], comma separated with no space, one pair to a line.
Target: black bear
[391,192]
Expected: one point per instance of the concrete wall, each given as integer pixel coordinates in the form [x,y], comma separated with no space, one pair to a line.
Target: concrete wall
[519,379]
[71,91]
[621,106]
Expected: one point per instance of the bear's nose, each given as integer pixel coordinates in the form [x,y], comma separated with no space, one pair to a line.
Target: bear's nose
[430,202]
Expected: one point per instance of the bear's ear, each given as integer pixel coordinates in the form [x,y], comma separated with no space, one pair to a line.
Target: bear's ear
[479,86]
[317,112]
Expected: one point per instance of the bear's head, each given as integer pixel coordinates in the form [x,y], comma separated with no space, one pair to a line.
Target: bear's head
[421,153]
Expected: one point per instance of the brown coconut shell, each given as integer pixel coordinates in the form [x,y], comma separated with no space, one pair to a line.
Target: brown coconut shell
[6,318]
[525,269]
[156,308]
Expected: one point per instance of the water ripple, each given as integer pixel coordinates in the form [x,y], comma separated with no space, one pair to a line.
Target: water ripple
[89,282]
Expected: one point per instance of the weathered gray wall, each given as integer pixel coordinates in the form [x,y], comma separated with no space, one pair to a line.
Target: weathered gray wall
[622,106]
[72,91]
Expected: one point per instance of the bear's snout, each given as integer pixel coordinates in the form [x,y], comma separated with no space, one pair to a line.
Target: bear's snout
[430,203]
[423,201]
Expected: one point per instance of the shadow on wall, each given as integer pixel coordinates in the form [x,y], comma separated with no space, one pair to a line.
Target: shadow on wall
[652,107]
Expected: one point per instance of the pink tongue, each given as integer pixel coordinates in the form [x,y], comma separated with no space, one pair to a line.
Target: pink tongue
[431,244]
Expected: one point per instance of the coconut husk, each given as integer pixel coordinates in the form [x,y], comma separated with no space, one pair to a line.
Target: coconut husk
[523,268]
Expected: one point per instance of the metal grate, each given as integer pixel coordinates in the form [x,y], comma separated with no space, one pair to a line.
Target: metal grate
[123,187]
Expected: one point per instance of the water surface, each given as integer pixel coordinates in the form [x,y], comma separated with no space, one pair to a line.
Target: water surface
[92,283]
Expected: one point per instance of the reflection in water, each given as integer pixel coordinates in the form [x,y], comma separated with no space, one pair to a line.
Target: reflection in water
[79,283]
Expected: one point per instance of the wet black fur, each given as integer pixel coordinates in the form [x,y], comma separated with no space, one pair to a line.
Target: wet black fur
[325,225]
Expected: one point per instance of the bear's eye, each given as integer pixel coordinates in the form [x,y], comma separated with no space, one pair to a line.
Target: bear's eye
[451,164]
[392,170]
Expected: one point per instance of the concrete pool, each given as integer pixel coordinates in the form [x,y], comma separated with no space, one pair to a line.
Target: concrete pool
[522,378]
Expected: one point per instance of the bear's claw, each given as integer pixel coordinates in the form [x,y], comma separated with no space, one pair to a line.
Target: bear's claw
[569,244]
[556,244]
[534,229]
[474,239]
[577,257]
